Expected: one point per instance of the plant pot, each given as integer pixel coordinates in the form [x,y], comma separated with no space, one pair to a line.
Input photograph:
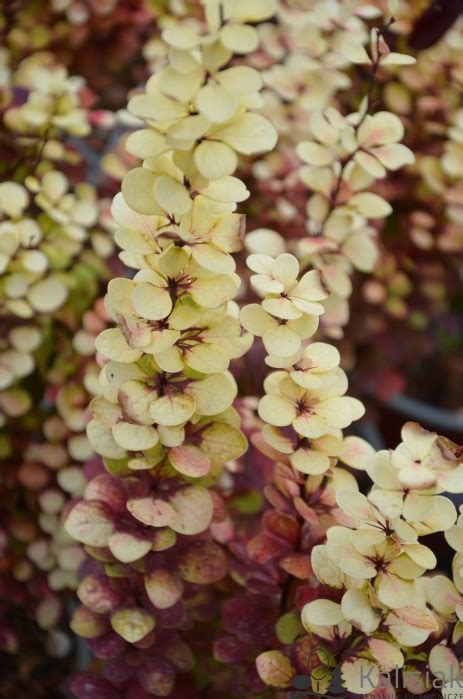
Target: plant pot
[402,408]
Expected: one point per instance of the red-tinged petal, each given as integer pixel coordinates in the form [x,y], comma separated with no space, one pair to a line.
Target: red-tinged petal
[282,526]
[297,565]
[275,498]
[265,548]
[190,460]
[305,511]
[152,511]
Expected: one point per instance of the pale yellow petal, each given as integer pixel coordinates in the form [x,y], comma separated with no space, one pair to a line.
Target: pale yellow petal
[214,159]
[276,410]
[248,134]
[112,344]
[137,190]
[151,302]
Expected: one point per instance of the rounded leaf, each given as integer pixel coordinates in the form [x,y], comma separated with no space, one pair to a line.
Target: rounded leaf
[203,563]
[163,588]
[128,546]
[194,508]
[90,523]
[152,511]
[190,460]
[275,669]
[132,624]
[322,612]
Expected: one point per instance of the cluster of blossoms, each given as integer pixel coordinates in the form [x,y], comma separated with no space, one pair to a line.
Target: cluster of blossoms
[344,155]
[163,421]
[49,241]
[417,275]
[177,228]
[307,392]
[46,234]
[52,100]
[415,278]
[382,606]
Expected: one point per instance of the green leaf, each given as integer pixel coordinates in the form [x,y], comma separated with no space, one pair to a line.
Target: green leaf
[249,504]
[117,467]
[289,627]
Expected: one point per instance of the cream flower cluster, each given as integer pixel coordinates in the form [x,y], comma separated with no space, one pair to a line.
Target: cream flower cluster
[308,66]
[373,557]
[306,393]
[377,561]
[164,418]
[44,229]
[177,226]
[16,362]
[162,414]
[53,102]
[49,273]
[37,250]
[199,109]
[44,226]
[343,155]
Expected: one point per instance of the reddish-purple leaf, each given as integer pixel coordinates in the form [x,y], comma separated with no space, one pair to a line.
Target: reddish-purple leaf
[230,650]
[283,526]
[110,645]
[265,548]
[298,565]
[87,686]
[158,677]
